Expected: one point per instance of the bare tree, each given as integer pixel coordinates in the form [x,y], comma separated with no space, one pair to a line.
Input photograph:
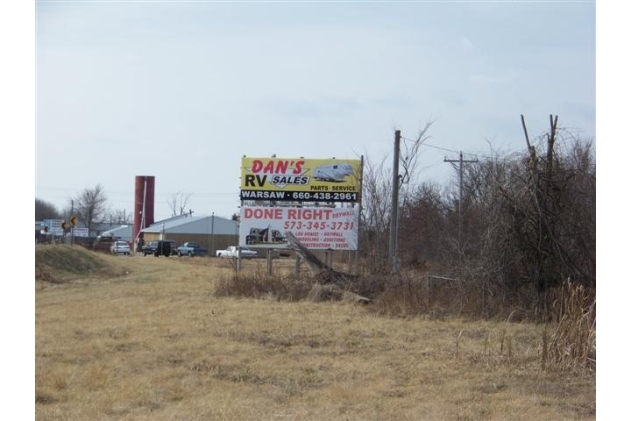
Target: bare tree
[376,191]
[120,216]
[90,206]
[46,210]
[178,203]
[409,169]
[531,221]
[424,226]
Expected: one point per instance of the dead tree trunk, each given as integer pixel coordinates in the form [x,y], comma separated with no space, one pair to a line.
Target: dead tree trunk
[323,273]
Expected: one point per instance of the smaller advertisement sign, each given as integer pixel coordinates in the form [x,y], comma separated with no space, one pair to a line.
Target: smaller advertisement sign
[80,232]
[54,226]
[317,228]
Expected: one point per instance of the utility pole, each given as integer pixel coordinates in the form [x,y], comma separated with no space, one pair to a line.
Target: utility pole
[71,226]
[460,210]
[393,252]
[212,235]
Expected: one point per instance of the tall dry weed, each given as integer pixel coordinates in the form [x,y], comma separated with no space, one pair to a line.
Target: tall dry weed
[259,284]
[573,344]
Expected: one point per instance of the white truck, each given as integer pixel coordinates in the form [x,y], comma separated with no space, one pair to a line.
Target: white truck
[232,252]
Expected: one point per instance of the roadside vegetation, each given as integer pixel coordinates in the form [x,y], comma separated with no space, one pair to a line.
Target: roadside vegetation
[173,339]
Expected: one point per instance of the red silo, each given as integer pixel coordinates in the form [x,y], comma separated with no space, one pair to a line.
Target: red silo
[144,197]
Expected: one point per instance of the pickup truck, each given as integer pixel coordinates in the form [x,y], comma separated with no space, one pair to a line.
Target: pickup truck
[232,252]
[191,249]
[158,248]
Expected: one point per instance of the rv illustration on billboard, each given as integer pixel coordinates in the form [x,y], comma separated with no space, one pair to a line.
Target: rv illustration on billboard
[265,236]
[332,172]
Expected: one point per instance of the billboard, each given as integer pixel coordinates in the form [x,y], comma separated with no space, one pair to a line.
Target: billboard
[80,232]
[300,179]
[54,226]
[317,228]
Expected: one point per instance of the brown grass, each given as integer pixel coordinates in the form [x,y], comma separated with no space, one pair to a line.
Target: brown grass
[573,344]
[145,338]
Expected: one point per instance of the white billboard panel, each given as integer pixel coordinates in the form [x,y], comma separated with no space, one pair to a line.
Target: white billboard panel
[317,228]
[80,232]
[54,226]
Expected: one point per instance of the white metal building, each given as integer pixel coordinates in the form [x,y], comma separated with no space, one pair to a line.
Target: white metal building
[211,232]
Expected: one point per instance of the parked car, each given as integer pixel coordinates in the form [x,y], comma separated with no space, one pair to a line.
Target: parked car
[157,248]
[120,247]
[191,249]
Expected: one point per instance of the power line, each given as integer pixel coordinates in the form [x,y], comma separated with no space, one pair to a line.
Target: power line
[506,157]
[448,150]
[431,146]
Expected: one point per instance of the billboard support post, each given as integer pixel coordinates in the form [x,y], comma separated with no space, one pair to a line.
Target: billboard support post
[297,267]
[269,261]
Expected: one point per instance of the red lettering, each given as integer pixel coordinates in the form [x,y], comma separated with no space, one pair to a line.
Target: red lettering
[257,166]
[265,213]
[281,167]
[277,167]
[309,215]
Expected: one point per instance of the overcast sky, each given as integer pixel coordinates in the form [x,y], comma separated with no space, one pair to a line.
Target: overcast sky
[182,90]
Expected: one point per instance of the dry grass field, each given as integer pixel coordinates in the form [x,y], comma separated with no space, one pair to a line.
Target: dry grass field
[145,338]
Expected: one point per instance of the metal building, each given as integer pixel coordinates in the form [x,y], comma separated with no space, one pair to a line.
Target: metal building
[211,232]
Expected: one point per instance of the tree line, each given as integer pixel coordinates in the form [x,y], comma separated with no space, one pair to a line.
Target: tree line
[528,222]
[91,208]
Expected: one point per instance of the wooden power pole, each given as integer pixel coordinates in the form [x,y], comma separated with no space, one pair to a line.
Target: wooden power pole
[392,250]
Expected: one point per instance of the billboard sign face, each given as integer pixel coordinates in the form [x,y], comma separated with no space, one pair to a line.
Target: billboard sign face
[54,226]
[317,228]
[80,232]
[299,179]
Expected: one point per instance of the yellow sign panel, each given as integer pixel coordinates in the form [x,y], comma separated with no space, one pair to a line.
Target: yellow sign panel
[300,179]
